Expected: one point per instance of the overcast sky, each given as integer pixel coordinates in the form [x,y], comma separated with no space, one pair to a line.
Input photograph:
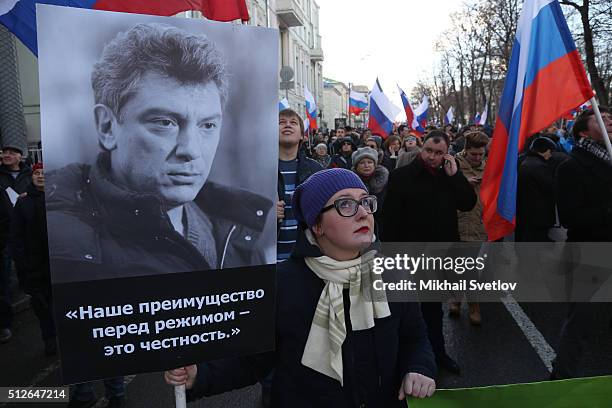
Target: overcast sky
[389,39]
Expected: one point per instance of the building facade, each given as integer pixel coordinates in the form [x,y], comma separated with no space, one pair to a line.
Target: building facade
[300,45]
[335,102]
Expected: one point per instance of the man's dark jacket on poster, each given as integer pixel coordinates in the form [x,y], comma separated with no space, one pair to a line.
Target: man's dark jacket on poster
[583,192]
[374,360]
[421,204]
[111,232]
[28,242]
[535,204]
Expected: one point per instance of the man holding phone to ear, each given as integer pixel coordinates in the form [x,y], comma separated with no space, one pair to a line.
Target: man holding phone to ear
[432,189]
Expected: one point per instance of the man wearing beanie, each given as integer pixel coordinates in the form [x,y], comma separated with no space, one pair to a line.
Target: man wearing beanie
[29,249]
[373,175]
[339,342]
[432,188]
[14,173]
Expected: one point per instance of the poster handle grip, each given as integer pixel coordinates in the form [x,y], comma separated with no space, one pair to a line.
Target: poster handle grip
[179,396]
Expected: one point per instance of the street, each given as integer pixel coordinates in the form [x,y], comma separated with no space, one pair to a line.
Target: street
[515,344]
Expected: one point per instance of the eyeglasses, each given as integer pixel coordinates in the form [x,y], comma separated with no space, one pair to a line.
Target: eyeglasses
[347,207]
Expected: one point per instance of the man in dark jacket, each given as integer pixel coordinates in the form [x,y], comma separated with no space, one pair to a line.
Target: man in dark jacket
[13,172]
[535,204]
[431,188]
[30,251]
[584,201]
[146,206]
[343,159]
[16,175]
[6,310]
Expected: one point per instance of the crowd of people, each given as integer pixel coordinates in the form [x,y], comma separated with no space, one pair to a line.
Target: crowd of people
[407,187]
[338,192]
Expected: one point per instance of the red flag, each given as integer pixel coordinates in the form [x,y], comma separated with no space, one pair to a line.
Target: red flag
[219,10]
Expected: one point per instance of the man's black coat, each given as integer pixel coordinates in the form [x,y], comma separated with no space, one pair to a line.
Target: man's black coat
[422,207]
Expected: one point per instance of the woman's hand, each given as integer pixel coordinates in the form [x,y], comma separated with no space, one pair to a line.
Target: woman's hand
[182,376]
[416,385]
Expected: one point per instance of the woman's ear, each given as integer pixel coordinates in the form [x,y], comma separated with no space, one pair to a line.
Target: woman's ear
[317,229]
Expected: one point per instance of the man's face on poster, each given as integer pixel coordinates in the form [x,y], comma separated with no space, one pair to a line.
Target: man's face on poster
[166,137]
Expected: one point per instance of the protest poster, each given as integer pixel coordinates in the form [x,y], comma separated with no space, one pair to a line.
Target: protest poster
[160,143]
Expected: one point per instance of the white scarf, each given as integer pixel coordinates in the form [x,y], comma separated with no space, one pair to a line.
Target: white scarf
[323,351]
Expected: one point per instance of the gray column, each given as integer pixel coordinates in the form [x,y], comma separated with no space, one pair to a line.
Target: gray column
[12,121]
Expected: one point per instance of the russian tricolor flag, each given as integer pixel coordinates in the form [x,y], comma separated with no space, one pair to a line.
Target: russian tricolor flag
[415,118]
[421,114]
[358,101]
[410,119]
[381,112]
[483,117]
[283,104]
[311,108]
[19,16]
[545,79]
[450,115]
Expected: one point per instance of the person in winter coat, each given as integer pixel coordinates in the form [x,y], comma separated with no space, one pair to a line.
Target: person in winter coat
[17,175]
[6,310]
[29,249]
[471,162]
[379,353]
[373,175]
[393,145]
[433,187]
[584,202]
[293,169]
[409,151]
[375,142]
[13,172]
[321,155]
[343,159]
[535,204]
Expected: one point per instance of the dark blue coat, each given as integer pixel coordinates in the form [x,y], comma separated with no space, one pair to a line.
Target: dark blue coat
[375,360]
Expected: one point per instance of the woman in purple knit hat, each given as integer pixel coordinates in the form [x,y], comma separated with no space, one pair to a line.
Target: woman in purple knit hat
[335,347]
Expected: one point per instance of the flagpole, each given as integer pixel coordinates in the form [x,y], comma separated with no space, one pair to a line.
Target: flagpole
[602,127]
[348,108]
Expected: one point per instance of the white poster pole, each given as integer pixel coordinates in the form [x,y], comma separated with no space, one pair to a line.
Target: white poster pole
[602,127]
[179,395]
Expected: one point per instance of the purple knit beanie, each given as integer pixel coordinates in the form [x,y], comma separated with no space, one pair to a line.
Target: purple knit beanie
[311,196]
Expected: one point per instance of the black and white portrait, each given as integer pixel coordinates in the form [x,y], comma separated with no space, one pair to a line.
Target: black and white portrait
[159,139]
